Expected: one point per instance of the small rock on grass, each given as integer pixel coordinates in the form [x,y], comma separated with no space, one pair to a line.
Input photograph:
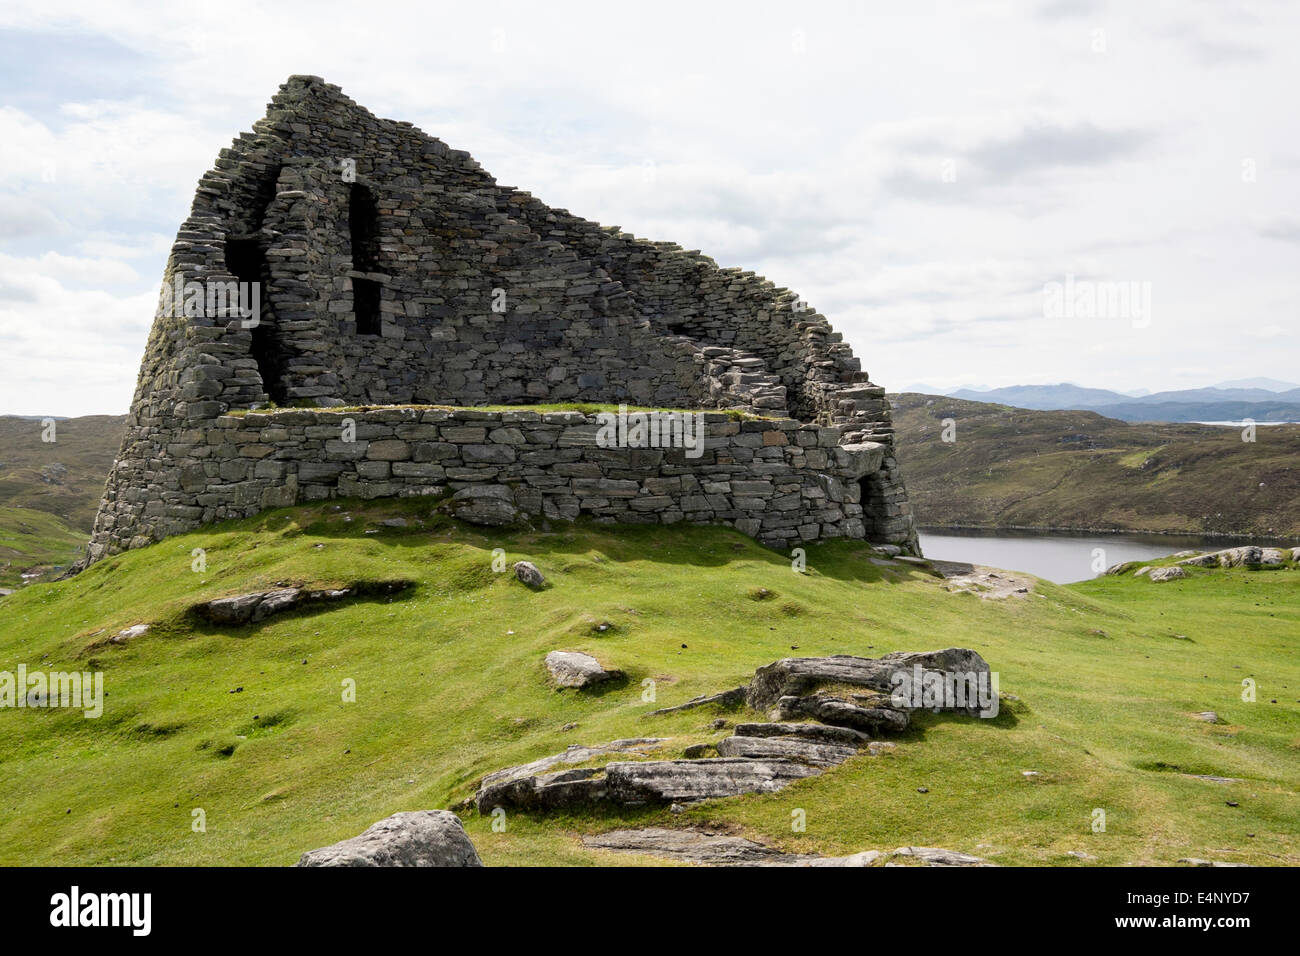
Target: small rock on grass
[124,635]
[575,669]
[527,573]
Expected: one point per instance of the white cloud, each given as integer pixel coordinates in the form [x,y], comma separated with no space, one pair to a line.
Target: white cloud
[822,169]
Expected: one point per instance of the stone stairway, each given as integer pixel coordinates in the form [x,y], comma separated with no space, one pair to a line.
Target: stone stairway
[739,380]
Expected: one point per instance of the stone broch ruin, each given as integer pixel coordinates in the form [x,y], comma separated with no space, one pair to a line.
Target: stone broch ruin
[381,253]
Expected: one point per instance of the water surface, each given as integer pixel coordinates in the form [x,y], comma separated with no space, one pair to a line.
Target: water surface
[1063,557]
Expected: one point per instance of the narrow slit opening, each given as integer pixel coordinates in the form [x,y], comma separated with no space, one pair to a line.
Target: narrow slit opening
[365,305]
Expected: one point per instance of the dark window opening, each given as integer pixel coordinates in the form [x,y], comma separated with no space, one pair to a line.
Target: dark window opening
[363,225]
[247,263]
[871,498]
[266,192]
[365,305]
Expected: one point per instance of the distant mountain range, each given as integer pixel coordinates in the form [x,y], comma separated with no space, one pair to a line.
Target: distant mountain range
[1260,399]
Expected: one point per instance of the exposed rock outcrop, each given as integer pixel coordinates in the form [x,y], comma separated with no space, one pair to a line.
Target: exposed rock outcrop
[727,698]
[935,856]
[816,732]
[760,757]
[685,781]
[1159,575]
[1247,556]
[869,714]
[258,605]
[792,748]
[577,753]
[796,676]
[713,849]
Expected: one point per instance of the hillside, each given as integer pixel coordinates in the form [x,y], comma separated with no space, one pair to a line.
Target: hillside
[1013,467]
[248,723]
[49,490]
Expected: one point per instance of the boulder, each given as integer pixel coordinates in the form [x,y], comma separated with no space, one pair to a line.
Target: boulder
[416,838]
[490,505]
[527,573]
[575,669]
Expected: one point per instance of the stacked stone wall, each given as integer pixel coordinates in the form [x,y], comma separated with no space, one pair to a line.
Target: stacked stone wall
[482,293]
[781,481]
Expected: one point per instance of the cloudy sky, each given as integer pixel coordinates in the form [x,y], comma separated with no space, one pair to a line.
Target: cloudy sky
[920,177]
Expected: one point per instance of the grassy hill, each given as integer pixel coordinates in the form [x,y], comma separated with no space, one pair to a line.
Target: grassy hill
[34,540]
[49,490]
[249,723]
[1012,467]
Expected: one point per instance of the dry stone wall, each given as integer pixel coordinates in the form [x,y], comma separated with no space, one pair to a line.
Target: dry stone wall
[393,271]
[781,481]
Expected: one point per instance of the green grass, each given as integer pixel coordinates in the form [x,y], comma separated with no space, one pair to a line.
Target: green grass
[49,490]
[32,541]
[450,685]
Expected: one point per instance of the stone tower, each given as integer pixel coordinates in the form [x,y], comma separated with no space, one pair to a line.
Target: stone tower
[394,273]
